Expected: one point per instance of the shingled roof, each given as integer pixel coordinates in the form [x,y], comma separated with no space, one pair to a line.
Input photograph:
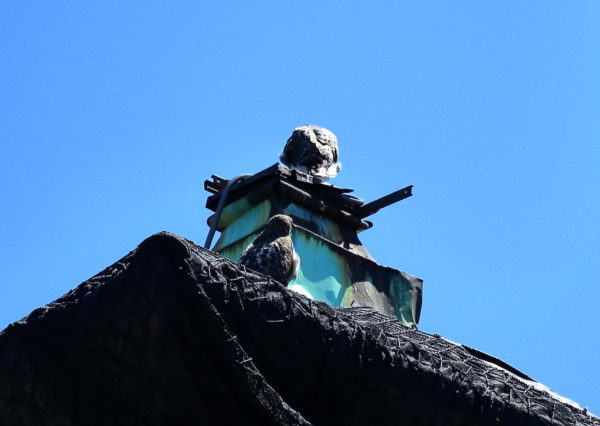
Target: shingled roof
[174,334]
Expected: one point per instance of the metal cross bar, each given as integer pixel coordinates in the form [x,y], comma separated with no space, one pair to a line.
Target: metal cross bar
[374,206]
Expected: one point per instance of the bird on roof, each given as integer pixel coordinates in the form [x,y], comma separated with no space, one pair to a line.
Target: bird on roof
[272,252]
[312,150]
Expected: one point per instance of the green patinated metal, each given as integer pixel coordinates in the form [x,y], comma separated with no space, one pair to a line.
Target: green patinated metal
[322,274]
[322,226]
[240,219]
[334,266]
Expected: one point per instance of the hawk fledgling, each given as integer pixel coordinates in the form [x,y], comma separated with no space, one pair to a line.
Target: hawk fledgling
[312,150]
[272,252]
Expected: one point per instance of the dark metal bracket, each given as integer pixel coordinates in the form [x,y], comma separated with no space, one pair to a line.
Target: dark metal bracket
[374,206]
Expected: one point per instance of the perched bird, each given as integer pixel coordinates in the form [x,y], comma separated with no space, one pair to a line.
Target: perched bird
[312,150]
[272,252]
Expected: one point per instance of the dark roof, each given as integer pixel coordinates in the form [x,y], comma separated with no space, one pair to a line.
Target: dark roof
[175,334]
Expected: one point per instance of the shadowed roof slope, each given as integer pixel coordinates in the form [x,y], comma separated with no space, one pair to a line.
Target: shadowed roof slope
[175,334]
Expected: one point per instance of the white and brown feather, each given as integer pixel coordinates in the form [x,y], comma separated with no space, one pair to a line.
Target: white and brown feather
[272,252]
[312,150]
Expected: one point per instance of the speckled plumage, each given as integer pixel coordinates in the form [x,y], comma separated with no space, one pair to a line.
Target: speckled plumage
[312,150]
[272,252]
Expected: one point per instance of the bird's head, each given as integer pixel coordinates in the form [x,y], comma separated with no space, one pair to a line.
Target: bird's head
[279,225]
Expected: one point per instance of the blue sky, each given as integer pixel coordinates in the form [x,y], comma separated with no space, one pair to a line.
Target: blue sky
[112,114]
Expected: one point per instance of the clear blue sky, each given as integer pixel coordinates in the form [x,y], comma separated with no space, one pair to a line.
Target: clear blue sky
[113,113]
